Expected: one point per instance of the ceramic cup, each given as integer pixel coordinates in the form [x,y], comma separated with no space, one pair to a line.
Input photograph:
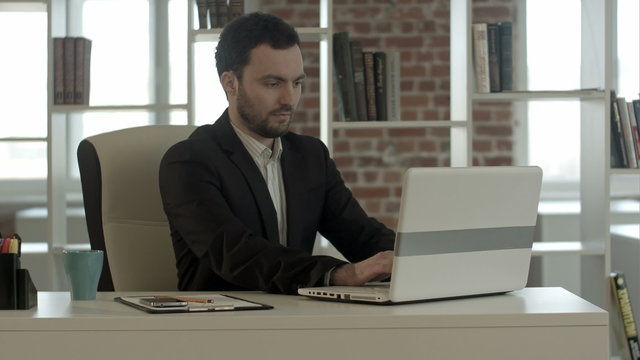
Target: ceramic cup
[83,268]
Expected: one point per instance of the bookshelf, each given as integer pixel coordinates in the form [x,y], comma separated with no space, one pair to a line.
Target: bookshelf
[598,73]
[598,76]
[65,18]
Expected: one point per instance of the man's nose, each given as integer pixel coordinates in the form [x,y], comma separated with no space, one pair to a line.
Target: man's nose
[289,95]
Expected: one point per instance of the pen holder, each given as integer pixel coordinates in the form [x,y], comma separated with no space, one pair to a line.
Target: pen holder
[17,291]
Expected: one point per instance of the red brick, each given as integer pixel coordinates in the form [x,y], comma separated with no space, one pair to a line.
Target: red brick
[494,130]
[414,100]
[404,42]
[408,132]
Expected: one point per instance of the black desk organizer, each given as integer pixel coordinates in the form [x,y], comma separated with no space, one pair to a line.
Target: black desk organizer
[17,291]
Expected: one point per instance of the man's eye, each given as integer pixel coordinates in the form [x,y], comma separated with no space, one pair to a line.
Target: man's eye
[298,83]
[272,84]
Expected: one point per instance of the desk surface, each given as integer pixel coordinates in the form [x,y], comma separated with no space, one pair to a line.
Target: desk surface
[527,307]
[537,322]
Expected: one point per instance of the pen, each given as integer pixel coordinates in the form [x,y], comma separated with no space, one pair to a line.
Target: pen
[187,299]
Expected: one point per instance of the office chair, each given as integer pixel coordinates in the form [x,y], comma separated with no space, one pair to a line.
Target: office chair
[123,208]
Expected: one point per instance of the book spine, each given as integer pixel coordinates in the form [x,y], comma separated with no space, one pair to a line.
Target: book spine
[357,58]
[222,7]
[393,86]
[58,70]
[619,134]
[493,40]
[236,9]
[69,70]
[628,136]
[82,71]
[370,85]
[636,111]
[212,7]
[481,58]
[344,75]
[380,73]
[623,302]
[506,55]
[202,14]
[634,130]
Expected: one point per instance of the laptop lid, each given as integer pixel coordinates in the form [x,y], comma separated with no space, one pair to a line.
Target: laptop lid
[464,231]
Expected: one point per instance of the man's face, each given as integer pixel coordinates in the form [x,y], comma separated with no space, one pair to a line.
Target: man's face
[269,91]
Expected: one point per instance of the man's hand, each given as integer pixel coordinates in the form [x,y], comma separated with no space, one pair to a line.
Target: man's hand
[375,268]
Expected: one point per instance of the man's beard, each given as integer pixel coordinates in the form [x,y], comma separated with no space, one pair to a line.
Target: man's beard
[257,124]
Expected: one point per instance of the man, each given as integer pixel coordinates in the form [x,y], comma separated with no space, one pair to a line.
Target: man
[245,197]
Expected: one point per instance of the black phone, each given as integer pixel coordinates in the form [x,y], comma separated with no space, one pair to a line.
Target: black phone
[162,302]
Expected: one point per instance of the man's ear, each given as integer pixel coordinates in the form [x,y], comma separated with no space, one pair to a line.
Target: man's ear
[229,82]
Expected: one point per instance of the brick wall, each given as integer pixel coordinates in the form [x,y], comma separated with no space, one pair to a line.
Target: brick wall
[373,160]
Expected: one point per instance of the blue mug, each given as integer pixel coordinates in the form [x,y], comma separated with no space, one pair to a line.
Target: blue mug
[83,268]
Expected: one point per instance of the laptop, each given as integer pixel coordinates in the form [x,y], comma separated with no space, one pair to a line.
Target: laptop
[461,232]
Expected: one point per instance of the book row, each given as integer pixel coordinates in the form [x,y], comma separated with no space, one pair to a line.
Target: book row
[214,14]
[628,337]
[71,70]
[368,82]
[625,132]
[493,56]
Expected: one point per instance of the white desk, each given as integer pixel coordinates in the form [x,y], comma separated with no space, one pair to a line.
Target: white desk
[535,323]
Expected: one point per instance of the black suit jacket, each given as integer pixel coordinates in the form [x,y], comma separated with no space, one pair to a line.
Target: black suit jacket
[223,222]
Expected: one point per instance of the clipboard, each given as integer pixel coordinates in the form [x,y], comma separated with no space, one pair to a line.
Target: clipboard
[217,302]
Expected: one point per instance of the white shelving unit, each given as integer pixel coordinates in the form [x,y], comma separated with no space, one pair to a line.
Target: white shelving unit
[598,75]
[598,72]
[58,153]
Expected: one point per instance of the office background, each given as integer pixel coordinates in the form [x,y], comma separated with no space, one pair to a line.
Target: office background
[371,160]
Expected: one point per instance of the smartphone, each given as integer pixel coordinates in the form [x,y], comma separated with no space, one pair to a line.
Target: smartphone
[162,302]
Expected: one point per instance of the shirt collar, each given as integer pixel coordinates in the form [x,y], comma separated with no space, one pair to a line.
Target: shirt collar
[256,149]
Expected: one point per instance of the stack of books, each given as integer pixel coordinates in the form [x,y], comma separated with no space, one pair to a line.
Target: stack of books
[72,68]
[625,132]
[215,14]
[368,81]
[493,56]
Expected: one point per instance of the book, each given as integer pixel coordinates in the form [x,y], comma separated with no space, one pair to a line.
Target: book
[636,110]
[625,310]
[634,130]
[69,69]
[58,71]
[632,157]
[344,76]
[222,11]
[618,152]
[380,73]
[481,58]
[506,55]
[370,85]
[236,9]
[357,58]
[493,47]
[202,14]
[82,71]
[393,85]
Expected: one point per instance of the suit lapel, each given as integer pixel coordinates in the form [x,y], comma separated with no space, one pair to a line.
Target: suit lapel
[229,141]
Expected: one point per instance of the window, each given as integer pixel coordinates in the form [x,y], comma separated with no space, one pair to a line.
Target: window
[553,63]
[141,62]
[23,94]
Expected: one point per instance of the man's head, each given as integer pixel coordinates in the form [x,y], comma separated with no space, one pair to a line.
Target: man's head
[261,70]
[248,32]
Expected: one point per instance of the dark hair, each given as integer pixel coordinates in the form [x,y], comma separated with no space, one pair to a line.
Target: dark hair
[247,32]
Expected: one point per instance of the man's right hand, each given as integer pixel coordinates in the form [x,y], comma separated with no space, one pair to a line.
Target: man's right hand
[376,268]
